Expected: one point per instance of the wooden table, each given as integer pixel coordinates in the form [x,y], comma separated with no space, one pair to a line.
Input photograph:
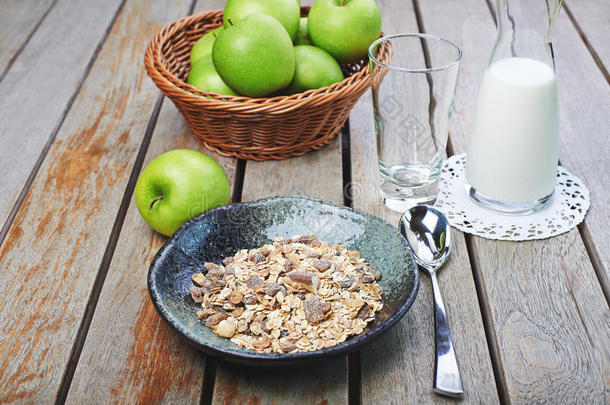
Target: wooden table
[79,119]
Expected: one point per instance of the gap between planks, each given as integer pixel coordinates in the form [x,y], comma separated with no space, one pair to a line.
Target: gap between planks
[209,373]
[83,329]
[346,165]
[354,379]
[240,172]
[211,362]
[45,150]
[12,60]
[590,48]
[492,12]
[354,374]
[595,259]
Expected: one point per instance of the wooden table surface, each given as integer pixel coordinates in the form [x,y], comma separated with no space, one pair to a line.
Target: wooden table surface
[79,119]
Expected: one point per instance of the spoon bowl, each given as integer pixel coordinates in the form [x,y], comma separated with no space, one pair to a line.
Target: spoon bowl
[427,231]
[429,236]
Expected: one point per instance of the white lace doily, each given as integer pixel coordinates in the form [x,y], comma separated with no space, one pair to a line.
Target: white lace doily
[567,208]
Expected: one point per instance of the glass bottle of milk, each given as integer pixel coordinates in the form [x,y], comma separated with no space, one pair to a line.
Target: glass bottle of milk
[513,144]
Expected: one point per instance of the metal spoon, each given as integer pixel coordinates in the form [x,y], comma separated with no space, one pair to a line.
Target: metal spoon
[427,231]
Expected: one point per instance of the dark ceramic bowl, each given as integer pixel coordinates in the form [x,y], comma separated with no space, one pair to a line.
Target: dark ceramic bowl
[222,232]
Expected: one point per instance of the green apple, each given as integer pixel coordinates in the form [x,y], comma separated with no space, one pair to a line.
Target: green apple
[203,46]
[344,28]
[254,56]
[177,186]
[287,12]
[302,33]
[203,75]
[315,68]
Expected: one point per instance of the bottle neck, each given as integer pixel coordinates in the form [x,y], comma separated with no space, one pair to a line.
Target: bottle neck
[524,30]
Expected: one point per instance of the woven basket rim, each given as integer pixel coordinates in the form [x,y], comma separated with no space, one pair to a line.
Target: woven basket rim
[356,82]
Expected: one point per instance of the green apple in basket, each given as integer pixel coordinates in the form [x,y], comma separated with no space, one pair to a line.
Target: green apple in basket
[254,56]
[203,75]
[203,46]
[315,68]
[287,12]
[344,28]
[177,186]
[302,37]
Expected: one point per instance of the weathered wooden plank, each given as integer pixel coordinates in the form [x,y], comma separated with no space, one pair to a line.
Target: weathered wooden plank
[548,313]
[316,174]
[550,318]
[144,361]
[399,368]
[584,105]
[51,255]
[38,87]
[593,18]
[17,21]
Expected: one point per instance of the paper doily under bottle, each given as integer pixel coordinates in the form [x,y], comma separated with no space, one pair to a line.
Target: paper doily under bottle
[566,209]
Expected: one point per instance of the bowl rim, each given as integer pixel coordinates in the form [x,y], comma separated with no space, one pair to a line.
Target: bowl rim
[344,347]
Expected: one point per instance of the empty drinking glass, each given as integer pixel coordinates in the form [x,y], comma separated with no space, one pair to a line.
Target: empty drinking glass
[412,99]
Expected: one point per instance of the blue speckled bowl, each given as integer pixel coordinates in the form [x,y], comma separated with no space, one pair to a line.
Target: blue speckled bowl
[221,232]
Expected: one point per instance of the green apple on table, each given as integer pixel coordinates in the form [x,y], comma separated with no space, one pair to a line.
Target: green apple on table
[344,28]
[203,46]
[254,56]
[302,37]
[287,12]
[177,186]
[203,75]
[315,68]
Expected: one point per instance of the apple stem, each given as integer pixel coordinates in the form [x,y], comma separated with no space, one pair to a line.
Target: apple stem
[229,20]
[160,198]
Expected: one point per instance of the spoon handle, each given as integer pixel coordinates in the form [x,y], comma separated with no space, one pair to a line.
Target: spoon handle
[447,380]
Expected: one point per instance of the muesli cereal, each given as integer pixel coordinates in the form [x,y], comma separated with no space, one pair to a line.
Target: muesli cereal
[297,294]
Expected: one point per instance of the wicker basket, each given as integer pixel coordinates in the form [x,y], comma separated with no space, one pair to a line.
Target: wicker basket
[251,128]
